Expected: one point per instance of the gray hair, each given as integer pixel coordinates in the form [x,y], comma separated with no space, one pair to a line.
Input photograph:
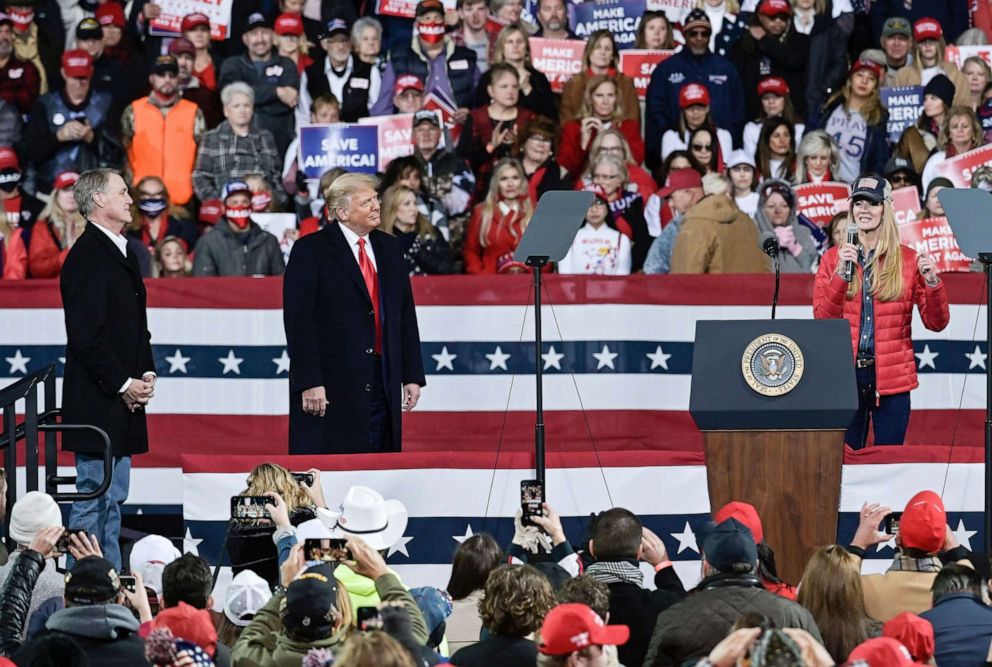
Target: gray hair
[972,37]
[338,194]
[89,183]
[236,88]
[363,23]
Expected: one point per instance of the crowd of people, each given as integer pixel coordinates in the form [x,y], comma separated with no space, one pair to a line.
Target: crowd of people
[545,599]
[759,96]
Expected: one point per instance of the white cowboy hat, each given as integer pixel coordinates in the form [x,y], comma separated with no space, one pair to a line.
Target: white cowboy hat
[365,514]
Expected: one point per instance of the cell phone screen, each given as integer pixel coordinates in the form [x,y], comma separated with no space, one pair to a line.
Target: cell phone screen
[329,550]
[128,582]
[250,508]
[367,618]
[890,524]
[531,500]
[62,545]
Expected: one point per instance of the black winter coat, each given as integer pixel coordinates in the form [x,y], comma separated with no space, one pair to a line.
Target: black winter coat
[827,68]
[330,334]
[690,629]
[107,343]
[638,609]
[756,59]
[15,599]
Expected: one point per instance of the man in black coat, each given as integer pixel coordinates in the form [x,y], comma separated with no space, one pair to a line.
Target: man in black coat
[351,330]
[619,541]
[109,370]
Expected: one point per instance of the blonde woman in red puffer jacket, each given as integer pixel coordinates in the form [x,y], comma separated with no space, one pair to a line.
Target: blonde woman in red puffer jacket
[878,303]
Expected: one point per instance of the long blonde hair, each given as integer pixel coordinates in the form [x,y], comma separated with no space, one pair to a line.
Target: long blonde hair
[504,34]
[871,110]
[591,85]
[61,219]
[492,199]
[390,205]
[959,111]
[886,263]
[273,477]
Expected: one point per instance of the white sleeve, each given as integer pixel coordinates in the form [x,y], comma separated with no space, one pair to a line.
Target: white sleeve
[752,132]
[930,169]
[671,141]
[726,143]
[565,265]
[623,256]
[652,215]
[375,85]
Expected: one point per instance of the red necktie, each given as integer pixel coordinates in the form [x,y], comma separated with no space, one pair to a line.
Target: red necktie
[372,284]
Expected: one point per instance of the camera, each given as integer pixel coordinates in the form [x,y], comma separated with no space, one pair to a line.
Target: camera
[303,478]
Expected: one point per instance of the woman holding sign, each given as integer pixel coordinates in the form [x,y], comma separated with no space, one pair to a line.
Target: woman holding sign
[886,280]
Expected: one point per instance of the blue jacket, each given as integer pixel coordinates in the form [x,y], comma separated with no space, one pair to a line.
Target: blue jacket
[951,14]
[962,627]
[876,152]
[662,102]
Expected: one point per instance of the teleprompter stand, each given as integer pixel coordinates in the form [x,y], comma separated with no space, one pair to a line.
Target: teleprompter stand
[967,212]
[548,237]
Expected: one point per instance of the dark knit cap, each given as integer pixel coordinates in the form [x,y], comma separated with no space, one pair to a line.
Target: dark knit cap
[940,86]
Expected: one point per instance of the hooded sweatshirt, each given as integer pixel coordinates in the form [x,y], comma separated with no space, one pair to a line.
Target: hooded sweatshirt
[716,237]
[805,259]
[107,633]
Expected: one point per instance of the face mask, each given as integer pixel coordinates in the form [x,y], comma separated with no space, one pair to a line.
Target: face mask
[430,33]
[9,180]
[21,18]
[239,215]
[260,201]
[152,207]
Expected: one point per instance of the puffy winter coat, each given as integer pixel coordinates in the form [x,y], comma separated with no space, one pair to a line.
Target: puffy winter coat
[691,628]
[895,365]
[15,599]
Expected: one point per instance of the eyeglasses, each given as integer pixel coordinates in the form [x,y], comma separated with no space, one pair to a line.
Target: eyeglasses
[698,34]
[702,147]
[597,202]
[899,178]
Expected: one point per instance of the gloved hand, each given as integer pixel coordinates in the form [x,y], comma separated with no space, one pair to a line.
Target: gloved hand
[530,538]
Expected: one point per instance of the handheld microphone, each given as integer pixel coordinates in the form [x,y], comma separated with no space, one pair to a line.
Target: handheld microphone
[768,243]
[852,238]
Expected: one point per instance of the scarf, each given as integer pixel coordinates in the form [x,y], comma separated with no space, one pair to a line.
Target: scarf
[903,563]
[617,572]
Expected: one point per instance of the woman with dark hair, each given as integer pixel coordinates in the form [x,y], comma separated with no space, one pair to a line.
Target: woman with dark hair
[499,222]
[600,58]
[776,155]
[767,571]
[777,214]
[705,155]
[474,559]
[831,590]
[775,101]
[598,248]
[490,132]
[889,279]
[513,48]
[536,152]
[517,599]
[151,222]
[654,32]
[919,140]
[855,118]
[602,109]
[694,102]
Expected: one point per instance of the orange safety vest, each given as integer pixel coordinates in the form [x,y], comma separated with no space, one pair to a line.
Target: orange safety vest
[163,146]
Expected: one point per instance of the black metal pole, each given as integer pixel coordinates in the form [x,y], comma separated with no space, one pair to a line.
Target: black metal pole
[536,264]
[986,259]
[778,278]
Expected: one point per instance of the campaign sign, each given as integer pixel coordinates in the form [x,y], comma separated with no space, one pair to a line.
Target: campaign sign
[558,59]
[960,167]
[958,54]
[904,104]
[934,236]
[395,135]
[818,201]
[675,10]
[169,22]
[620,17]
[351,147]
[906,204]
[405,8]
[638,64]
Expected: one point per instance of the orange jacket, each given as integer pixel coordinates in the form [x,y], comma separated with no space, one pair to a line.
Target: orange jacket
[895,364]
[164,146]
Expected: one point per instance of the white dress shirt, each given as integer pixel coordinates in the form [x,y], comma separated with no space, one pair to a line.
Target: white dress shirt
[352,239]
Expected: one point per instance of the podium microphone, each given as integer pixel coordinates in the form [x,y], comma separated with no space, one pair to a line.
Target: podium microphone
[852,238]
[768,243]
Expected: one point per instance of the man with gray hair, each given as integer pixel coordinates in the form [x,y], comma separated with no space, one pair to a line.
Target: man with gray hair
[351,330]
[109,370]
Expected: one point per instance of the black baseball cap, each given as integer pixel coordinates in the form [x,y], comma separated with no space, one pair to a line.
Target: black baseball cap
[871,188]
[166,63]
[310,605]
[92,580]
[257,20]
[89,28]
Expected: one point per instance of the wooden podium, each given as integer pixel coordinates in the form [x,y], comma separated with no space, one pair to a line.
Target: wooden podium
[773,399]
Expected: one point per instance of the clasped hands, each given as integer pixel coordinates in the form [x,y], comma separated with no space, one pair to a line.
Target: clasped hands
[139,392]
